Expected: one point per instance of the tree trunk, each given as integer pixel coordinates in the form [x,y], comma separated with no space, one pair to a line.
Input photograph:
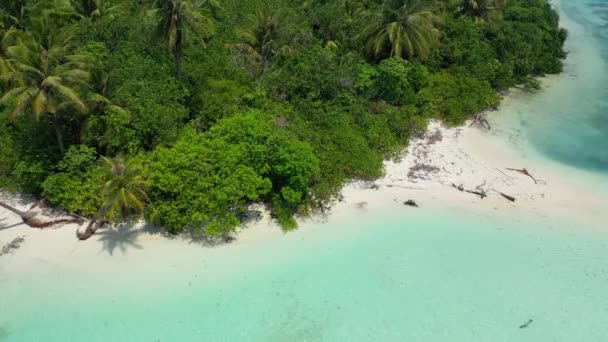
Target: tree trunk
[22,214]
[91,228]
[59,135]
[29,218]
[89,231]
[178,54]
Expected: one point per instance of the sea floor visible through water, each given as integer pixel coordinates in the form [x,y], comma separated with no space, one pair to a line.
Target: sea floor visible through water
[373,274]
[399,275]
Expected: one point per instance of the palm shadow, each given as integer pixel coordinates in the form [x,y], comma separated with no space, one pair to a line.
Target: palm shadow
[122,237]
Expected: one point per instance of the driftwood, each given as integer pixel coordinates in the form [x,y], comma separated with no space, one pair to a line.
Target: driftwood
[411,203]
[15,244]
[479,192]
[527,324]
[499,170]
[525,172]
[481,119]
[510,198]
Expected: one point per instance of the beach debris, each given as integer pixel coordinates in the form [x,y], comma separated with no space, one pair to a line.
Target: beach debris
[510,198]
[411,203]
[525,172]
[482,193]
[482,120]
[503,173]
[527,324]
[15,244]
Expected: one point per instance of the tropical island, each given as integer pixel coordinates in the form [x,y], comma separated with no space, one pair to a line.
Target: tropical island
[445,164]
[186,112]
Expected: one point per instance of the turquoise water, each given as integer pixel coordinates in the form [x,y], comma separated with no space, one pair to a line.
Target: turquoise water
[568,122]
[417,276]
[397,275]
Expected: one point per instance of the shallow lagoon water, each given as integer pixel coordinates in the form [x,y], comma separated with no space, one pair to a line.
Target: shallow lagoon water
[568,121]
[424,275]
[393,275]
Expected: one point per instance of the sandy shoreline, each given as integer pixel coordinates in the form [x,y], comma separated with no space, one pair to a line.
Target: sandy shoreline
[469,156]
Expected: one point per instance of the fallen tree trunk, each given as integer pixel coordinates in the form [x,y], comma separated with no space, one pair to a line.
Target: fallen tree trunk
[14,210]
[32,219]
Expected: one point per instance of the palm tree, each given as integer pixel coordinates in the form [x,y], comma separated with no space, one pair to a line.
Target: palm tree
[406,29]
[13,11]
[261,40]
[43,82]
[124,193]
[480,10]
[99,101]
[351,7]
[212,5]
[175,19]
[97,8]
[5,42]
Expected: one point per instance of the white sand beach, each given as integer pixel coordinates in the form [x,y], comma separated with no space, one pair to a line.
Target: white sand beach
[474,157]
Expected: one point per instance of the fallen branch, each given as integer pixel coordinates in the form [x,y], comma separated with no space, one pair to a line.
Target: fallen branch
[481,119]
[480,192]
[499,170]
[525,172]
[510,198]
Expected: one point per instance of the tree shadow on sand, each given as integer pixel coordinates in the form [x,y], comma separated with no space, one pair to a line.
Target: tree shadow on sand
[122,237]
[4,226]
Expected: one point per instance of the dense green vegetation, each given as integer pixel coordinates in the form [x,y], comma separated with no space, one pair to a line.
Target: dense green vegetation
[187,111]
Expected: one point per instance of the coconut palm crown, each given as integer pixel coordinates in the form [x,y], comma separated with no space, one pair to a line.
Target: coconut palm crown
[406,29]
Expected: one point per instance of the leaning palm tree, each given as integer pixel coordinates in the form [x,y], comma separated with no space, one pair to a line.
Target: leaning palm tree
[124,193]
[43,82]
[406,29]
[176,18]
